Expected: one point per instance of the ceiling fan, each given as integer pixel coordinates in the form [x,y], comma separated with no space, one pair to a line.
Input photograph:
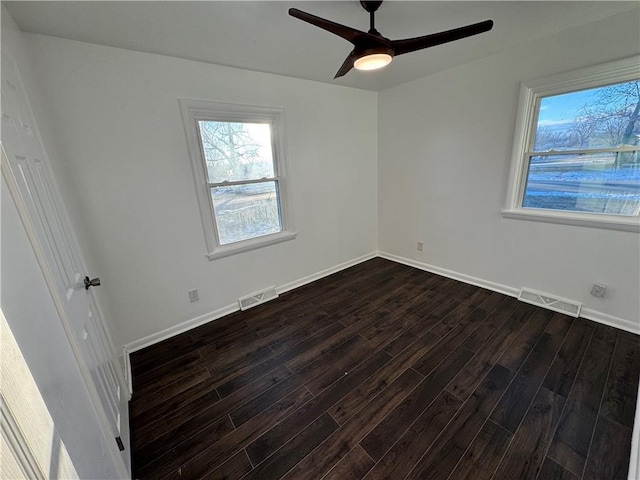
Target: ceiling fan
[372,50]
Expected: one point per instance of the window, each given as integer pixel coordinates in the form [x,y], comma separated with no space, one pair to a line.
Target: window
[238,160]
[576,155]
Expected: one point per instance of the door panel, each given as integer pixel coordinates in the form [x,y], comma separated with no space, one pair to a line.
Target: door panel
[46,211]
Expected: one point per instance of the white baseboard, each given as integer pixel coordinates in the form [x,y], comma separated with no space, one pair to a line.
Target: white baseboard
[616,322]
[180,328]
[325,273]
[634,463]
[226,310]
[478,282]
[128,374]
[588,313]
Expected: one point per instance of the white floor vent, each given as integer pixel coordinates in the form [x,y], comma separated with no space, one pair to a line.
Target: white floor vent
[257,298]
[551,302]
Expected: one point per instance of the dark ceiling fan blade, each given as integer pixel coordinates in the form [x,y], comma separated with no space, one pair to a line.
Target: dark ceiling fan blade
[348,33]
[413,44]
[346,66]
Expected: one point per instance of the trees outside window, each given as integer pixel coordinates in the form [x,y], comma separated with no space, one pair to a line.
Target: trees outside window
[576,152]
[238,158]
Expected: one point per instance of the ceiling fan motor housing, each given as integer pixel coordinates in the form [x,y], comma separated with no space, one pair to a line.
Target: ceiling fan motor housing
[371,6]
[373,50]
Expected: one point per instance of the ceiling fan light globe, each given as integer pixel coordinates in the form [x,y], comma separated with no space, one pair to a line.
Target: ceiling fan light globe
[373,61]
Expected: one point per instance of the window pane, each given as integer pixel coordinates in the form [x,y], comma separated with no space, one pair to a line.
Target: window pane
[236,151]
[596,118]
[246,211]
[605,183]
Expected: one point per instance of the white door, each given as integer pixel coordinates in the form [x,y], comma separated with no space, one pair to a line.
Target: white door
[26,165]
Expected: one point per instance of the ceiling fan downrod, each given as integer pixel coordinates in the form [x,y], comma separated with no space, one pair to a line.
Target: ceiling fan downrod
[371,7]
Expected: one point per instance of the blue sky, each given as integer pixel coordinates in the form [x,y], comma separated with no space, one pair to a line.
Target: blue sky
[562,109]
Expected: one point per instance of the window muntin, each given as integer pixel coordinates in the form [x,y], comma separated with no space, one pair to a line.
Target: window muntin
[245,211]
[242,180]
[238,160]
[577,149]
[235,151]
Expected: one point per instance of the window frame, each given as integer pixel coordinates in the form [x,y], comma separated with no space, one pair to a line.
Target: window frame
[194,111]
[531,93]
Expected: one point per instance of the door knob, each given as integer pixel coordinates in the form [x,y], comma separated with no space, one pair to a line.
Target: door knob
[91,282]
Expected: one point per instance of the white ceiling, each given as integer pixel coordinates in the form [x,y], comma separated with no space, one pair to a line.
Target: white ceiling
[261,36]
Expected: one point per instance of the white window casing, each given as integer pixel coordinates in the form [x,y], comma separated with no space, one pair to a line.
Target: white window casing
[194,111]
[531,92]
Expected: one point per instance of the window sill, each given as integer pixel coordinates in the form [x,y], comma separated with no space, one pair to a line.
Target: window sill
[610,222]
[252,244]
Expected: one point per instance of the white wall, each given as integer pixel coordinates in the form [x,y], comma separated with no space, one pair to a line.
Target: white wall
[444,154]
[114,114]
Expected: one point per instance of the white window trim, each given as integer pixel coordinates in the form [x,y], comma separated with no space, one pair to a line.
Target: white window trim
[196,110]
[530,94]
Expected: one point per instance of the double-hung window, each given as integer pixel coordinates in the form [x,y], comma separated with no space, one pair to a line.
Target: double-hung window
[576,155]
[239,165]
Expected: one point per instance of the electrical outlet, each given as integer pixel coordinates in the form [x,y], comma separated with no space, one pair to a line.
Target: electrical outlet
[598,290]
[193,295]
[420,246]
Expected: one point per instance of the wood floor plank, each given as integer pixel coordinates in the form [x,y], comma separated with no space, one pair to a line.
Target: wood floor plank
[174,404]
[167,373]
[516,400]
[495,320]
[385,434]
[622,386]
[215,454]
[353,466]
[146,359]
[526,454]
[429,314]
[295,449]
[418,439]
[196,415]
[610,451]
[342,367]
[320,321]
[552,471]
[604,338]
[462,311]
[443,456]
[234,379]
[263,401]
[563,372]
[519,349]
[340,443]
[472,374]
[265,445]
[232,469]
[451,341]
[164,465]
[166,394]
[570,444]
[484,454]
[153,450]
[349,405]
[384,371]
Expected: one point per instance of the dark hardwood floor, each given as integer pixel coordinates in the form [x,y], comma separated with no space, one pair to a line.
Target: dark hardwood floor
[383,371]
